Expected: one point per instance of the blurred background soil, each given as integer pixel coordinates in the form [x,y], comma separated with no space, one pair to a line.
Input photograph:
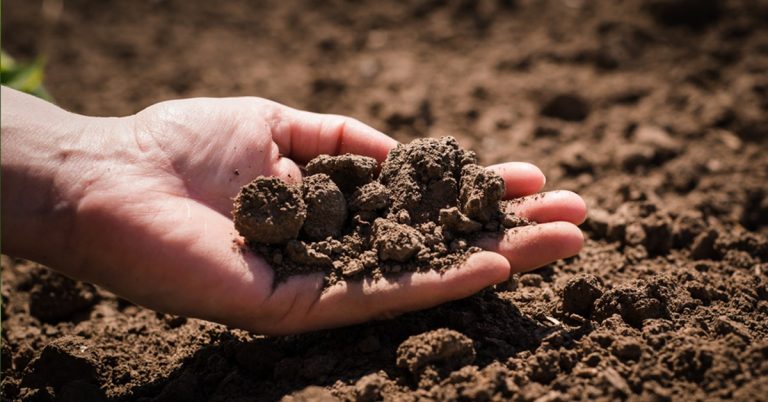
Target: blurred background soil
[655,111]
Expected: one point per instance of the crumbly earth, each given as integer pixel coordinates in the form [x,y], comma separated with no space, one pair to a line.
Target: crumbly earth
[442,349]
[440,201]
[580,293]
[270,211]
[424,178]
[660,124]
[326,207]
[348,171]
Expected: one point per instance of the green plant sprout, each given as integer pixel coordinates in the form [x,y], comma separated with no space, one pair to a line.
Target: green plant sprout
[26,77]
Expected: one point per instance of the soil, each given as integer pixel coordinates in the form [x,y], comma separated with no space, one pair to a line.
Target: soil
[654,111]
[441,202]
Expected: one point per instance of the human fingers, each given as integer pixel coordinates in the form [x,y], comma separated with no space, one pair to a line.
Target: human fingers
[520,178]
[559,205]
[530,247]
[358,301]
[302,135]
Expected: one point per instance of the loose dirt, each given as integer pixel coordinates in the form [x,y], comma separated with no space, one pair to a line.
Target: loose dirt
[654,111]
[441,202]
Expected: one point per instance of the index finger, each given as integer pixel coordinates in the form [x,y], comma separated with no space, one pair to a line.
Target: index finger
[302,135]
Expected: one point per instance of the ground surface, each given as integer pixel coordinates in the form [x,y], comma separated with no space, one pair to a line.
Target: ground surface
[656,114]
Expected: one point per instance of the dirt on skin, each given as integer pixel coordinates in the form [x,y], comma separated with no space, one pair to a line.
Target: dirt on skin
[441,202]
[654,111]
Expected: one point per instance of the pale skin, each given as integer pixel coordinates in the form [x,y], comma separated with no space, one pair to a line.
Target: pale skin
[141,206]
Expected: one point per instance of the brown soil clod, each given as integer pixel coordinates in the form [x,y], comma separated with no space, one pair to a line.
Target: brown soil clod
[62,361]
[480,192]
[442,349]
[641,301]
[422,212]
[568,107]
[455,221]
[57,298]
[326,207]
[269,211]
[372,196]
[396,241]
[580,293]
[347,171]
[424,176]
[300,253]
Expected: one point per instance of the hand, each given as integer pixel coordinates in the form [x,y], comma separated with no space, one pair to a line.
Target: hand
[150,197]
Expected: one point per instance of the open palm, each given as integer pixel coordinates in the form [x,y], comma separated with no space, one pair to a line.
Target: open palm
[158,229]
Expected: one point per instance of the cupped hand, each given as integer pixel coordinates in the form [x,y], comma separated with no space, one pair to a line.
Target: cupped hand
[155,225]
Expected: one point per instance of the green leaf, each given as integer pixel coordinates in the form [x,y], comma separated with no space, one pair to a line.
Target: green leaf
[26,77]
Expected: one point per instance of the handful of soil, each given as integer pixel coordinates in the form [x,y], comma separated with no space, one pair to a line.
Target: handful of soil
[421,212]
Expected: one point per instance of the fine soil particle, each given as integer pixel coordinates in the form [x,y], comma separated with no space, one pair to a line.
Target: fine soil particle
[441,201]
[661,126]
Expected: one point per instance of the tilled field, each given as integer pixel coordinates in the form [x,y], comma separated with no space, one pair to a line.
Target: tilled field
[656,112]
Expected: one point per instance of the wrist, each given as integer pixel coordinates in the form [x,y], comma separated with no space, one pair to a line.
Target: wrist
[49,157]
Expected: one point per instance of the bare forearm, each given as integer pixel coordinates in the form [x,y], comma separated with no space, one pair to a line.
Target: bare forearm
[44,150]
[34,210]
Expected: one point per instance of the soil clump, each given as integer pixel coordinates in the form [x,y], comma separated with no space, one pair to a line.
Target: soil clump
[424,209]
